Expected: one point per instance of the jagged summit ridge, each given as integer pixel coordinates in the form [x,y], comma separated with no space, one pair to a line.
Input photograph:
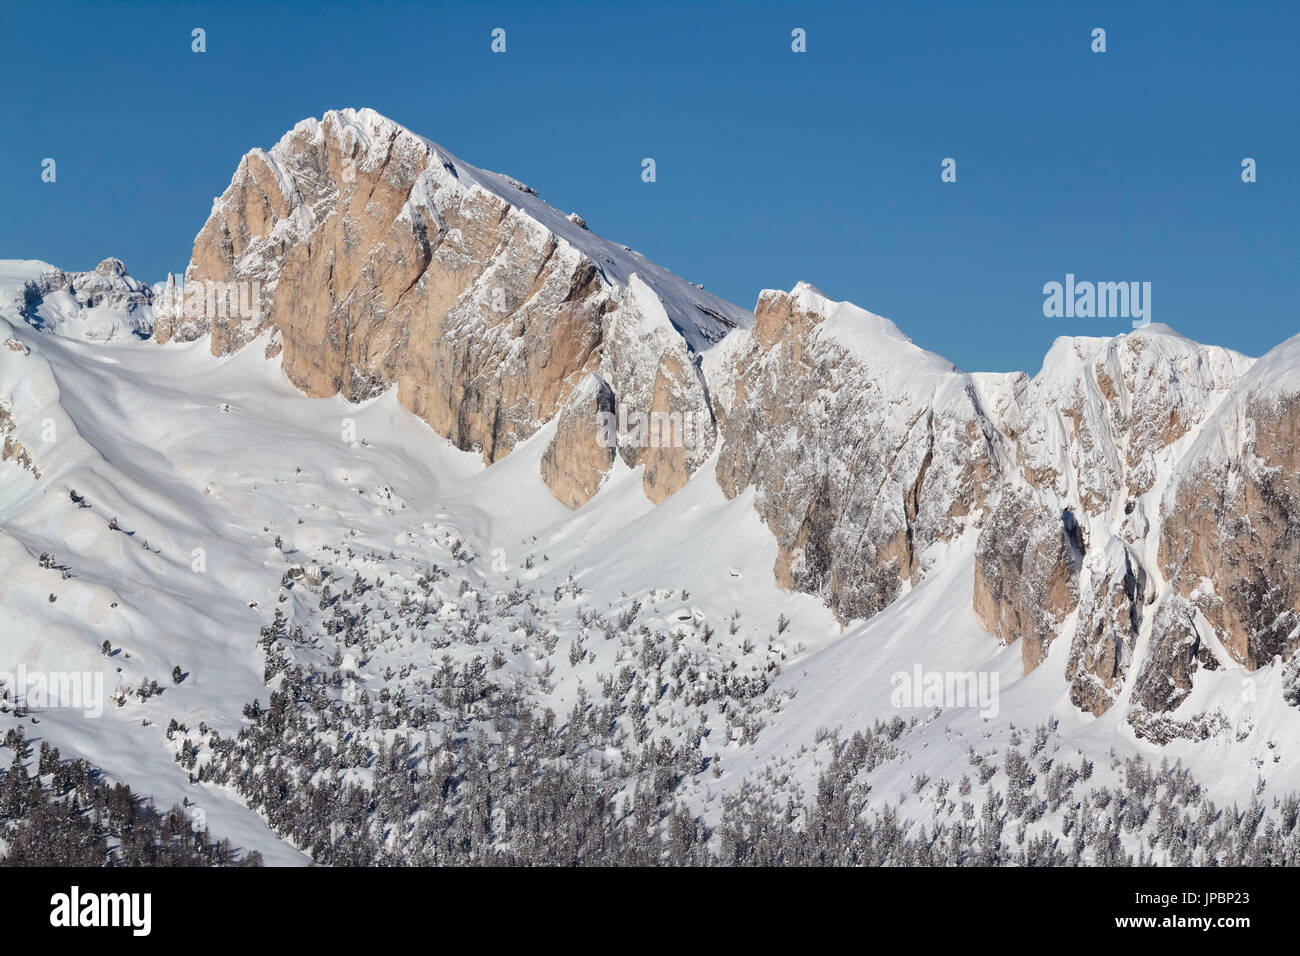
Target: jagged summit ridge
[376,142]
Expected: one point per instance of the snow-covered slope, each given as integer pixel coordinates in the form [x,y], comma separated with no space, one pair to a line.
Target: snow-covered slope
[181,496]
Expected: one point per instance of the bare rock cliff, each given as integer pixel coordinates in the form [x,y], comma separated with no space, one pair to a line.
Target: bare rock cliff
[863,449]
[1230,536]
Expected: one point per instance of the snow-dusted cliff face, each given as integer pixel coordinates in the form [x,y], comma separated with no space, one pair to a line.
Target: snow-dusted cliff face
[376,258]
[1133,484]
[1229,542]
[864,450]
[1096,435]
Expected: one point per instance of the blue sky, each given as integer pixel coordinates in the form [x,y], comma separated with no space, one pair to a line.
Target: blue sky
[772,166]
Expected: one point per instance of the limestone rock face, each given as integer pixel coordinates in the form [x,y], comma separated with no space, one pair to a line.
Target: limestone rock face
[1180,464]
[1101,416]
[863,450]
[374,258]
[664,421]
[1095,436]
[1027,572]
[1230,536]
[1179,649]
[1106,631]
[578,457]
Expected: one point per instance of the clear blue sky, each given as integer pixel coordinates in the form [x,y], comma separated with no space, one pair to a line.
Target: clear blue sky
[772,166]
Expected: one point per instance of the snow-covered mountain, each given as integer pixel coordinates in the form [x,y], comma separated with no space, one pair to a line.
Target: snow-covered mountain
[100,306]
[374,481]
[376,258]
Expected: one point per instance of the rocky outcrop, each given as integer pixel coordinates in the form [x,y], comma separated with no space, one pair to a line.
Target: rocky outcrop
[1096,424]
[863,450]
[372,258]
[863,453]
[1106,631]
[664,422]
[1176,653]
[1027,572]
[1230,535]
[11,449]
[579,455]
[1095,436]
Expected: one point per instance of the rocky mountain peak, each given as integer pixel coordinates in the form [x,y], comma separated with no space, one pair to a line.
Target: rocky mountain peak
[100,305]
[371,257]
[111,267]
